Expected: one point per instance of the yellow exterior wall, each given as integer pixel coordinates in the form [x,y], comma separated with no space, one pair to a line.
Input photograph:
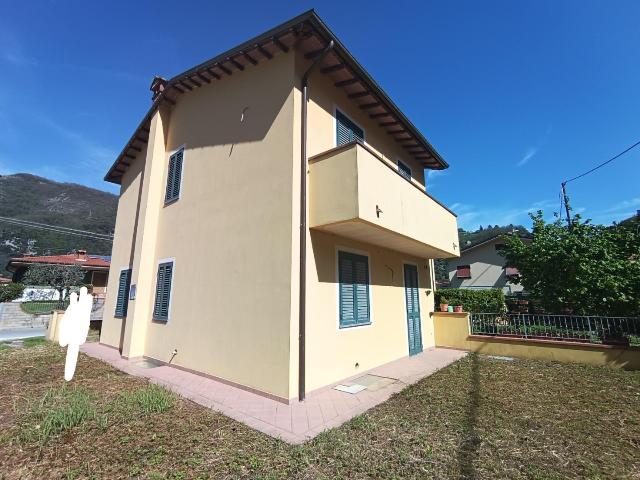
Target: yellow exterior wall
[452,331]
[230,232]
[121,254]
[324,98]
[332,352]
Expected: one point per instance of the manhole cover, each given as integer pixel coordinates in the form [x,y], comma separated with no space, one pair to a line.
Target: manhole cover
[374,382]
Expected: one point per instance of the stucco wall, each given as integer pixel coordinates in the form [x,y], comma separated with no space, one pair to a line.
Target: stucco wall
[332,352]
[486,268]
[230,232]
[122,252]
[452,331]
[324,98]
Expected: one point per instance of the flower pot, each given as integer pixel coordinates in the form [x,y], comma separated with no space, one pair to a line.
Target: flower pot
[444,307]
[457,308]
[450,309]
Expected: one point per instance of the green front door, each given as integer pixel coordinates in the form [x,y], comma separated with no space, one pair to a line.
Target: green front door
[414,326]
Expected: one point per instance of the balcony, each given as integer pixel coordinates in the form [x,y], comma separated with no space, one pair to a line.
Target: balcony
[356,194]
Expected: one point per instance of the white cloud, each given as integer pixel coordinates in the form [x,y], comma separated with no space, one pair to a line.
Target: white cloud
[528,155]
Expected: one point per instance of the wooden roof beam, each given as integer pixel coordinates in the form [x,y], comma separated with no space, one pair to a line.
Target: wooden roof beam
[313,53]
[141,139]
[345,83]
[367,106]
[213,74]
[359,94]
[380,115]
[224,69]
[252,60]
[389,124]
[235,63]
[279,44]
[202,77]
[177,88]
[186,85]
[195,82]
[264,51]
[333,68]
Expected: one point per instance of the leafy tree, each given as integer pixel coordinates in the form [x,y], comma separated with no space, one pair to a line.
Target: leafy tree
[441,267]
[59,277]
[10,291]
[588,269]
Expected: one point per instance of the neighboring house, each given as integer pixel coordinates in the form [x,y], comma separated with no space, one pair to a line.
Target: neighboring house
[96,267]
[481,266]
[207,258]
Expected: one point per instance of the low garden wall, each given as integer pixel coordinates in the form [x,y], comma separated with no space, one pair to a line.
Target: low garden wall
[451,330]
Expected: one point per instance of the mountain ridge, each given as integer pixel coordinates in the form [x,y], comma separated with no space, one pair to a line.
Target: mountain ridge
[25,196]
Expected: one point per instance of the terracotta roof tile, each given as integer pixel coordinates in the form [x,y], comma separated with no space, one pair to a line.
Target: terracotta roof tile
[69,259]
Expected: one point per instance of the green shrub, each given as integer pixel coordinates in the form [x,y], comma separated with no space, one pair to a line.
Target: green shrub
[477,301]
[10,291]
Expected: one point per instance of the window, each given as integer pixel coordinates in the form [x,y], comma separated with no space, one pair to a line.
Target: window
[174,177]
[353,278]
[404,170]
[346,130]
[163,292]
[122,300]
[463,271]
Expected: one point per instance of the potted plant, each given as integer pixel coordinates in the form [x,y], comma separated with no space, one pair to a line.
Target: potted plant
[457,309]
[444,304]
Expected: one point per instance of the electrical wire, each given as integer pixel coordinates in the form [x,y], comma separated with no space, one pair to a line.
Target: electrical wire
[603,163]
[55,230]
[107,235]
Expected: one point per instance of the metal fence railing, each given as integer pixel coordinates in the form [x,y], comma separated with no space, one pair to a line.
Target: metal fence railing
[570,328]
[43,307]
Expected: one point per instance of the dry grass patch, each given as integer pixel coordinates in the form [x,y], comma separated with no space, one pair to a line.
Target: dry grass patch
[478,418]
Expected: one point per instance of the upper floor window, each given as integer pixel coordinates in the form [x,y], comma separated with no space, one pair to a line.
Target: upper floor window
[404,170]
[174,177]
[346,130]
[463,271]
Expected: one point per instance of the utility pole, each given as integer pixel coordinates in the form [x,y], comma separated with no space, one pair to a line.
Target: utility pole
[566,203]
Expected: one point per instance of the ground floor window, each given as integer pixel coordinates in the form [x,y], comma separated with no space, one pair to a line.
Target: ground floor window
[163,291]
[122,300]
[353,279]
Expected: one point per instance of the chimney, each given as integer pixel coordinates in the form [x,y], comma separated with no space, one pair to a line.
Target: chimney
[157,86]
[81,255]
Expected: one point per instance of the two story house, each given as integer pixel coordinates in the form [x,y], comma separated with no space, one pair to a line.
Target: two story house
[480,266]
[273,227]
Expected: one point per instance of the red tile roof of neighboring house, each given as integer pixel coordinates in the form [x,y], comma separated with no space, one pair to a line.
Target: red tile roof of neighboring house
[68,259]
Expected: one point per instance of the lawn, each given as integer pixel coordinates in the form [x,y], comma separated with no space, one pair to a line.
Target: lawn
[478,418]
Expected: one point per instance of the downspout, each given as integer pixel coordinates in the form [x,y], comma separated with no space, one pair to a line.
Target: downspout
[302,301]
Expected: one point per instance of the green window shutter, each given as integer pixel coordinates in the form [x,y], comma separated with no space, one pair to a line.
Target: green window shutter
[346,130]
[122,300]
[353,277]
[174,176]
[163,291]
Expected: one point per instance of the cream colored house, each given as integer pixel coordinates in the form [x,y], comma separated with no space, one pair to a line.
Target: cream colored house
[274,243]
[481,266]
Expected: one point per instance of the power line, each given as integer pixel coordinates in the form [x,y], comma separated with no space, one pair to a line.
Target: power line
[603,163]
[58,227]
[55,230]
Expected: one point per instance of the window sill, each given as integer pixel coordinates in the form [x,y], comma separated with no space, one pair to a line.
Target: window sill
[346,327]
[170,202]
[160,320]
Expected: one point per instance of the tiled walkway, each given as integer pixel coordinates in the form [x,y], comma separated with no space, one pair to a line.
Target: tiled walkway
[295,423]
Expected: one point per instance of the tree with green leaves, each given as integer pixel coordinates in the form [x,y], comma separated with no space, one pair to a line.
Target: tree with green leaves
[60,277]
[584,268]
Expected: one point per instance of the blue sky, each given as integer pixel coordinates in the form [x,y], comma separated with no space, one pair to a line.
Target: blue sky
[516,96]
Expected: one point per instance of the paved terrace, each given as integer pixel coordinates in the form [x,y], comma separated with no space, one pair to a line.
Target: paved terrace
[295,423]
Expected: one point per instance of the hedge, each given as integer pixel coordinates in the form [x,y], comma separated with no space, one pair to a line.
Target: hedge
[10,291]
[477,301]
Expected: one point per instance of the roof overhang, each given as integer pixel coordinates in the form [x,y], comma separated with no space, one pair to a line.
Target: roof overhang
[310,35]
